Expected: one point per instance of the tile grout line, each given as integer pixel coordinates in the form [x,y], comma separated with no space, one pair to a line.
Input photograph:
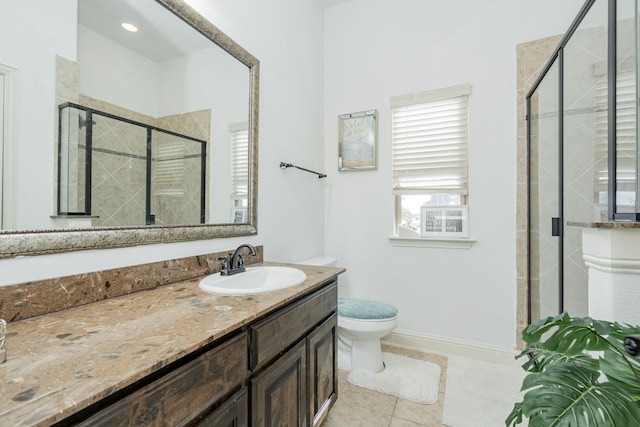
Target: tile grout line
[395,405]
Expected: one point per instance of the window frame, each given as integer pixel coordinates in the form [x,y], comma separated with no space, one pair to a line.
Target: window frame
[424,98]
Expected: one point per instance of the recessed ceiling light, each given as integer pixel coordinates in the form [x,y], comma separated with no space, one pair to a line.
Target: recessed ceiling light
[129,27]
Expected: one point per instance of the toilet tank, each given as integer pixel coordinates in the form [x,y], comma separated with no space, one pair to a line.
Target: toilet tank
[322,261]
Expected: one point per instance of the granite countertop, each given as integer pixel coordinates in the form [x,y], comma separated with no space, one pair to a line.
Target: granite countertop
[62,362]
[605,224]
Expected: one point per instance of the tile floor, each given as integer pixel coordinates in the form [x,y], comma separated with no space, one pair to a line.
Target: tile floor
[357,406]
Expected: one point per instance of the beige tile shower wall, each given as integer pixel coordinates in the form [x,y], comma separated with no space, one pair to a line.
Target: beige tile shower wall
[532,57]
[196,124]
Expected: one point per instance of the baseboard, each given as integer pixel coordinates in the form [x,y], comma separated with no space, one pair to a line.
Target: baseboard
[439,345]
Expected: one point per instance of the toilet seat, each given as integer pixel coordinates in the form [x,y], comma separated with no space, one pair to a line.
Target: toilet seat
[365,310]
[367,325]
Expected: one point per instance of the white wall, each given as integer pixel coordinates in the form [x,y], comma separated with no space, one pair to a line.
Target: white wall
[28,43]
[376,49]
[113,73]
[286,36]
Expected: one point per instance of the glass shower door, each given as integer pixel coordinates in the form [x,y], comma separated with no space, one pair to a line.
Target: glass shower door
[118,172]
[1,145]
[177,186]
[627,111]
[545,245]
[584,142]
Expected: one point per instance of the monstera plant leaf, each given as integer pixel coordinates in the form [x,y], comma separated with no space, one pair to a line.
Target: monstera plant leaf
[568,335]
[579,375]
[622,371]
[571,396]
[540,358]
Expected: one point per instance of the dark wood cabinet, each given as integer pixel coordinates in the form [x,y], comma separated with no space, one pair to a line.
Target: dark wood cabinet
[305,375]
[280,370]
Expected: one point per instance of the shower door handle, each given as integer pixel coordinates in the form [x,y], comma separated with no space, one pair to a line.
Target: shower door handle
[555,226]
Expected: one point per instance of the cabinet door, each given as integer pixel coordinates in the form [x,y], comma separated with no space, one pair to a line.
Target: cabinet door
[322,359]
[233,413]
[279,394]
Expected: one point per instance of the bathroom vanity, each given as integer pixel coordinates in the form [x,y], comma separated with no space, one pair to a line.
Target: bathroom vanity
[176,355]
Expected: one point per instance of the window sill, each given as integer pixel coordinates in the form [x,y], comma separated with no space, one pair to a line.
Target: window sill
[417,242]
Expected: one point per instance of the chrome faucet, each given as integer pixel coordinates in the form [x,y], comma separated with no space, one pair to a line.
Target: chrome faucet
[236,264]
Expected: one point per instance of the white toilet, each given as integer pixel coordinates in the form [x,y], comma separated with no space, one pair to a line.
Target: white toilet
[361,324]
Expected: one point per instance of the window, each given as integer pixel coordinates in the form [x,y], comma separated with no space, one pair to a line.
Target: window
[429,149]
[239,165]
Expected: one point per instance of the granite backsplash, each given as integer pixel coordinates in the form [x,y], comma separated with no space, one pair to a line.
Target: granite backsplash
[35,298]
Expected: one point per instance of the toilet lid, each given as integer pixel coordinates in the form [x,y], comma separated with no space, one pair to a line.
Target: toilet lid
[365,309]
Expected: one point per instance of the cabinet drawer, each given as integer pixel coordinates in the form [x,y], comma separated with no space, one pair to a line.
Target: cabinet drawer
[275,333]
[165,401]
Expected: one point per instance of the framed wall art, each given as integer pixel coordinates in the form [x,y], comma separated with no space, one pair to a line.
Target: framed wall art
[357,147]
[444,221]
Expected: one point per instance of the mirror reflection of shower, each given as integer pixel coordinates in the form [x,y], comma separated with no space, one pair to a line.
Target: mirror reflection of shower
[115,172]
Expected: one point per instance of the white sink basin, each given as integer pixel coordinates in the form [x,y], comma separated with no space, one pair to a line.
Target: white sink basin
[254,280]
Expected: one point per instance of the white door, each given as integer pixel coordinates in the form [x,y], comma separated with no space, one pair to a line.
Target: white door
[7,97]
[2,142]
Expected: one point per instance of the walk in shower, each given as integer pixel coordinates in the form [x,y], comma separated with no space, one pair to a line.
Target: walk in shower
[119,172]
[582,132]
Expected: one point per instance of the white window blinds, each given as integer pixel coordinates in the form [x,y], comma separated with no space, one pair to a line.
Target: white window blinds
[239,159]
[429,139]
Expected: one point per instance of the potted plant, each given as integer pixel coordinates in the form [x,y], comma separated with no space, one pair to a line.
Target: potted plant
[581,374]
